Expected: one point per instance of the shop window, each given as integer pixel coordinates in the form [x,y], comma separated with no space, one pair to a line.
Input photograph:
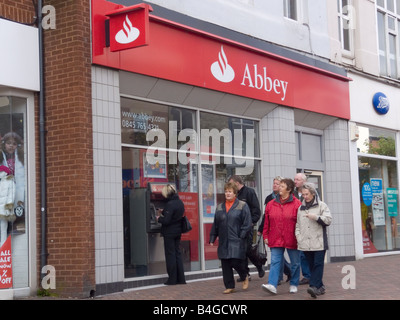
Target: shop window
[197,162]
[377,167]
[143,245]
[232,149]
[228,136]
[213,178]
[13,213]
[376,141]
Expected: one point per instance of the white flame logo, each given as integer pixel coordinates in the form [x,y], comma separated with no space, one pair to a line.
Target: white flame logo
[221,70]
[128,33]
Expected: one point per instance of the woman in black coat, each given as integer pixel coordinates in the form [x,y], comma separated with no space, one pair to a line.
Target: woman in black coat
[171,229]
[232,223]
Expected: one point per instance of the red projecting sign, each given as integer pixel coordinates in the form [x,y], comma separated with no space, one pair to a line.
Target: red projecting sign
[128,27]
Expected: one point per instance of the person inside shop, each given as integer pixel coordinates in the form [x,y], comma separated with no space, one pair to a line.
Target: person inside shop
[312,219]
[12,156]
[279,234]
[171,229]
[249,196]
[232,224]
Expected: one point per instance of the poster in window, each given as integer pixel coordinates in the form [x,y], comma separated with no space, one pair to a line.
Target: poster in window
[157,170]
[209,190]
[378,209]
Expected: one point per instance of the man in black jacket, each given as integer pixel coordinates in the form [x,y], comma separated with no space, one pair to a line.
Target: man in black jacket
[249,196]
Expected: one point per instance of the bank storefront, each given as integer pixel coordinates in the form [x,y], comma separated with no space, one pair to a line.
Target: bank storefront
[376,149]
[191,109]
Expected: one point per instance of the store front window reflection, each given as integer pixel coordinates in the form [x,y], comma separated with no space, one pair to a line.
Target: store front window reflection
[379,190]
[13,208]
[162,144]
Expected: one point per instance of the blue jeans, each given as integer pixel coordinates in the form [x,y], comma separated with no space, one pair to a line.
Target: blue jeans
[305,268]
[276,261]
[285,268]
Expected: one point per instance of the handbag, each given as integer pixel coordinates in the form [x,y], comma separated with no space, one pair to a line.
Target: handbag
[186,226]
[258,255]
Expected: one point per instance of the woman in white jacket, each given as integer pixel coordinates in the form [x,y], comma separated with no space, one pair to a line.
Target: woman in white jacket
[313,217]
[12,156]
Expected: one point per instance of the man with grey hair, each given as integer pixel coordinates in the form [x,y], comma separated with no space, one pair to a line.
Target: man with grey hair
[299,180]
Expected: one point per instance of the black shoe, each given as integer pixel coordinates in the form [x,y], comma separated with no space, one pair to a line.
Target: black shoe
[312,291]
[261,272]
[321,291]
[304,281]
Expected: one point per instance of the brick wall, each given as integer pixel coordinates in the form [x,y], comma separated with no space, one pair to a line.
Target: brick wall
[18,10]
[69,154]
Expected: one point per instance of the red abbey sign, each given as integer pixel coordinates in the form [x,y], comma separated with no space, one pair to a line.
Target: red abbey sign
[128,27]
[182,54]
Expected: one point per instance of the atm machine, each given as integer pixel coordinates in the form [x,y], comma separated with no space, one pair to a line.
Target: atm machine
[146,243]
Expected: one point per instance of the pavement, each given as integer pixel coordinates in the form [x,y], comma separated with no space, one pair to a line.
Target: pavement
[372,278]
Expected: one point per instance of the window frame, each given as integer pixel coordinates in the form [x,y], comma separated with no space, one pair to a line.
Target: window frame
[390,54]
[347,16]
[288,12]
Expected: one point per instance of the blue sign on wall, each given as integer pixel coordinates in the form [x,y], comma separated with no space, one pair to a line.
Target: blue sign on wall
[366,193]
[381,103]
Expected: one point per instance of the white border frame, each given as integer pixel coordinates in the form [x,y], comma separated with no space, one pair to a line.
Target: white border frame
[31,194]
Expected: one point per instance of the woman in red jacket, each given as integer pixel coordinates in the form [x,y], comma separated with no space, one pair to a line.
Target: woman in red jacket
[279,234]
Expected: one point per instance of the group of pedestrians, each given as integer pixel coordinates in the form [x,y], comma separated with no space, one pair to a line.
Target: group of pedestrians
[297,223]
[294,221]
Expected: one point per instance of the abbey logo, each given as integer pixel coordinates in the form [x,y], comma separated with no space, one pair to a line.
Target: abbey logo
[128,32]
[128,27]
[253,76]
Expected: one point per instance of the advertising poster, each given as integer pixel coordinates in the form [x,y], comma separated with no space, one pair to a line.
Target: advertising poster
[6,265]
[392,202]
[209,190]
[378,208]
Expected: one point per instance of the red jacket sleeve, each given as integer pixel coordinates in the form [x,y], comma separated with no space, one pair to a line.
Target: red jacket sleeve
[266,222]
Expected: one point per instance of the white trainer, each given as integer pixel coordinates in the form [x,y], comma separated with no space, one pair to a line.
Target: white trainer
[293,289]
[269,288]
